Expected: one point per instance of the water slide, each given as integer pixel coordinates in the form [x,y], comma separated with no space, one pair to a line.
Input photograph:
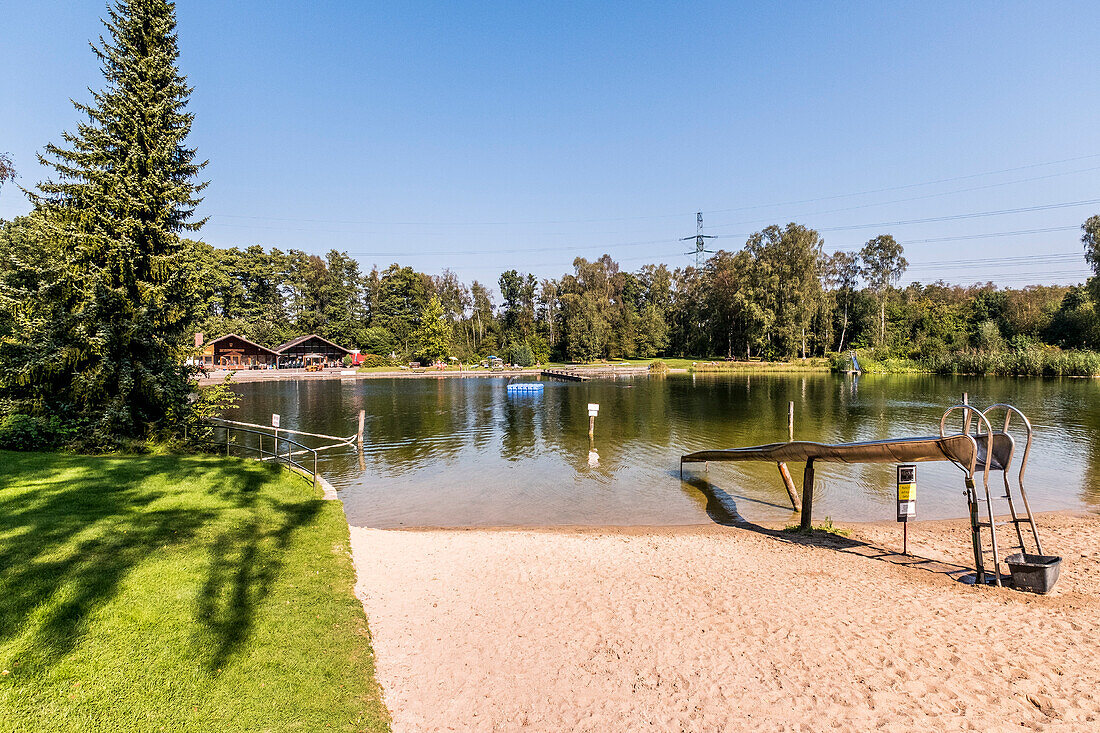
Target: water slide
[983,450]
[960,449]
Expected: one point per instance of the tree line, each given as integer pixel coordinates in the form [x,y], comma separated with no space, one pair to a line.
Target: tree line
[778,297]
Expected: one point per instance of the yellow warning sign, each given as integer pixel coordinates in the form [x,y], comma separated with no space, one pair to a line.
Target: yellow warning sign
[907,492]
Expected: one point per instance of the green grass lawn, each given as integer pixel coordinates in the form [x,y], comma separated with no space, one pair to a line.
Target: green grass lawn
[179,594]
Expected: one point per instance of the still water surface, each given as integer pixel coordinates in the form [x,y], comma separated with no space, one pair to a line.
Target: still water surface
[463,452]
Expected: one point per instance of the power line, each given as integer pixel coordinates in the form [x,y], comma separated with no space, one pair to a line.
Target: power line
[518,250]
[966,237]
[952,217]
[916,198]
[608,246]
[1023,260]
[1032,279]
[911,185]
[709,211]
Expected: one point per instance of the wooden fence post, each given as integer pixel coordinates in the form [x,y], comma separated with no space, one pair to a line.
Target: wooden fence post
[807,496]
[788,484]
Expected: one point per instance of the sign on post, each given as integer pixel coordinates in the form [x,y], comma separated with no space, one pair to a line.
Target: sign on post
[907,500]
[907,492]
[593,410]
[274,419]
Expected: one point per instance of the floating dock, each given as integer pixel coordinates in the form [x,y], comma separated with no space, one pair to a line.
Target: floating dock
[525,387]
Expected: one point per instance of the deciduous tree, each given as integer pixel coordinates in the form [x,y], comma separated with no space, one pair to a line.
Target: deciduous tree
[1091,240]
[433,337]
[883,265]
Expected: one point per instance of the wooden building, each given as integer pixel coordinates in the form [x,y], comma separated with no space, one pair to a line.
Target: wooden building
[296,350]
[236,352]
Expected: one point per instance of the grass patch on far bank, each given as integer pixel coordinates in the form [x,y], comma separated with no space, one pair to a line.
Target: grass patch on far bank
[720,364]
[176,593]
[813,364]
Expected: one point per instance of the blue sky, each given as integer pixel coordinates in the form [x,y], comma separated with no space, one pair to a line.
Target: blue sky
[483,136]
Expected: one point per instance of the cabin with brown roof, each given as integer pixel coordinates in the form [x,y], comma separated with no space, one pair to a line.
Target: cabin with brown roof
[296,350]
[236,352]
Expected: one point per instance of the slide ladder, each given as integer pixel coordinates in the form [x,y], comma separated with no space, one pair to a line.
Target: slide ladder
[995,453]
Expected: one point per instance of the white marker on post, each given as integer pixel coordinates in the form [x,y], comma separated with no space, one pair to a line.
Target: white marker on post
[275,424]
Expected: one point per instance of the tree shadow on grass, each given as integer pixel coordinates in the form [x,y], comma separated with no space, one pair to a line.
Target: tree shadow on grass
[722,509]
[244,562]
[72,528]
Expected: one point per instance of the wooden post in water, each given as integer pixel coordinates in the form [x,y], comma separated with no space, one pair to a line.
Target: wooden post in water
[788,484]
[807,496]
[790,422]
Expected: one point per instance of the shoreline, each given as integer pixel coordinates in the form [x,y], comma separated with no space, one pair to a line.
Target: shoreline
[708,526]
[244,376]
[592,371]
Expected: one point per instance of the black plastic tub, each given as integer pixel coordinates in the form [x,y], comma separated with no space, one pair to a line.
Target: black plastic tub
[1034,573]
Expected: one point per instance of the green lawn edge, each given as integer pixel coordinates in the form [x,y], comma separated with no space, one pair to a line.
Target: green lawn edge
[177,593]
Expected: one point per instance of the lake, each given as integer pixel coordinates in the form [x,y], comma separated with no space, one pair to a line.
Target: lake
[456,452]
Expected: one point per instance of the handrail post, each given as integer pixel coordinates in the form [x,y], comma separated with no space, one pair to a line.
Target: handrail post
[315,468]
[227,432]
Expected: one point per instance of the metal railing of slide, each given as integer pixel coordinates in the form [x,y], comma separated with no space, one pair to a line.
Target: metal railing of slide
[244,445]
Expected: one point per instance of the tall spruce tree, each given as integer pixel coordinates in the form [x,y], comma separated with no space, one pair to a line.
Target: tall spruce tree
[104,333]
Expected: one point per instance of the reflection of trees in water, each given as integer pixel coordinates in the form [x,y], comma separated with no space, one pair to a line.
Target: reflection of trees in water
[520,413]
[635,416]
[1087,406]
[410,422]
[413,424]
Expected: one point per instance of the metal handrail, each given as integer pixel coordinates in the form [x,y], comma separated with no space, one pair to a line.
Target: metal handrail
[967,410]
[275,455]
[1009,409]
[350,440]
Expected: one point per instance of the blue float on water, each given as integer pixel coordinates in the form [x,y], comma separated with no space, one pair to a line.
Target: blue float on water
[525,387]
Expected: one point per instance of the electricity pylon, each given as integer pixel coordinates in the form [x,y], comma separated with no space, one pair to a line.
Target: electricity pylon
[700,245]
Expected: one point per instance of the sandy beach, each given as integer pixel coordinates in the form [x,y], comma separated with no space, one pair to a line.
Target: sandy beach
[726,628]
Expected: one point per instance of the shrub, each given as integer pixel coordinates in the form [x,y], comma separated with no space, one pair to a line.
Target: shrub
[520,354]
[28,432]
[1020,342]
[209,402]
[1029,362]
[372,361]
[658,367]
[929,348]
[989,337]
